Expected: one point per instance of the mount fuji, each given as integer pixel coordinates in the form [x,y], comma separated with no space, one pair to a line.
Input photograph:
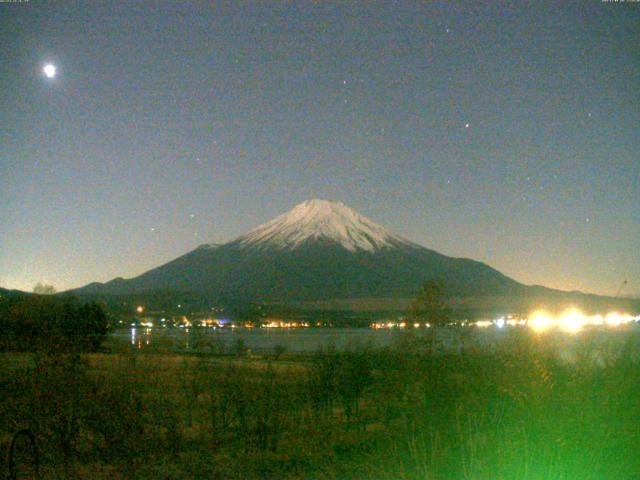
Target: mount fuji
[320,251]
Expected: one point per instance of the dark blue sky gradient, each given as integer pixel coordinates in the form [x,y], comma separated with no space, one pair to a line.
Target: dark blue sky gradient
[173,124]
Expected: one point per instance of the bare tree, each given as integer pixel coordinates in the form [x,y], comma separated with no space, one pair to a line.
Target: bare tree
[430,307]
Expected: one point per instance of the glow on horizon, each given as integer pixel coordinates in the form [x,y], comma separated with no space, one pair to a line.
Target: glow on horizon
[540,321]
[570,321]
[573,320]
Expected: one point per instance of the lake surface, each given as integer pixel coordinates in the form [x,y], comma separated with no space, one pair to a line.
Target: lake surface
[597,343]
[258,340]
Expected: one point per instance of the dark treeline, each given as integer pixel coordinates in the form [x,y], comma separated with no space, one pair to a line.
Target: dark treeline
[35,322]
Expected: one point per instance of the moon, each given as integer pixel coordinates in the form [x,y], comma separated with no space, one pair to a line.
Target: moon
[49,70]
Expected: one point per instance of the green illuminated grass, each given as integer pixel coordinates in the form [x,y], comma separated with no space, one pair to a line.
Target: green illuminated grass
[520,413]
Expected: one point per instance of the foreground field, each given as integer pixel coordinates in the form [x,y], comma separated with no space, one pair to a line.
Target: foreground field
[398,413]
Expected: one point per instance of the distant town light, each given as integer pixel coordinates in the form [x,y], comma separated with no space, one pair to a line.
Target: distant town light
[139,309]
[572,321]
[483,323]
[540,321]
[614,319]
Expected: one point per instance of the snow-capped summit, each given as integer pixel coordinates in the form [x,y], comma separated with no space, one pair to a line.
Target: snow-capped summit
[320,220]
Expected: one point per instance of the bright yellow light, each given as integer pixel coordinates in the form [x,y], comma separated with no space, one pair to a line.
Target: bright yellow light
[540,321]
[573,320]
[614,319]
[140,309]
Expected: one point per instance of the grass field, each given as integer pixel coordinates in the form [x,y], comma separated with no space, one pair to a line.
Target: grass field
[398,413]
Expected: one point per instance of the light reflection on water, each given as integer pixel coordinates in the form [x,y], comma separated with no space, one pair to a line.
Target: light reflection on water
[258,340]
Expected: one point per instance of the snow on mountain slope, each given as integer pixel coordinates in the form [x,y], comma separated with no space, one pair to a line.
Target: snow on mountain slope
[320,220]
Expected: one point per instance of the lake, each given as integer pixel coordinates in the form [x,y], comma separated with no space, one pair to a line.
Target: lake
[596,342]
[257,340]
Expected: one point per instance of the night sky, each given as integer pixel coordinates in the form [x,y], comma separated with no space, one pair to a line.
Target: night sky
[504,132]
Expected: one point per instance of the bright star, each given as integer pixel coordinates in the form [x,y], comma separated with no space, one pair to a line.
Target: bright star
[49,70]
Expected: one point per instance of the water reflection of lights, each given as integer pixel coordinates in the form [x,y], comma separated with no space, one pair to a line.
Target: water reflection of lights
[138,339]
